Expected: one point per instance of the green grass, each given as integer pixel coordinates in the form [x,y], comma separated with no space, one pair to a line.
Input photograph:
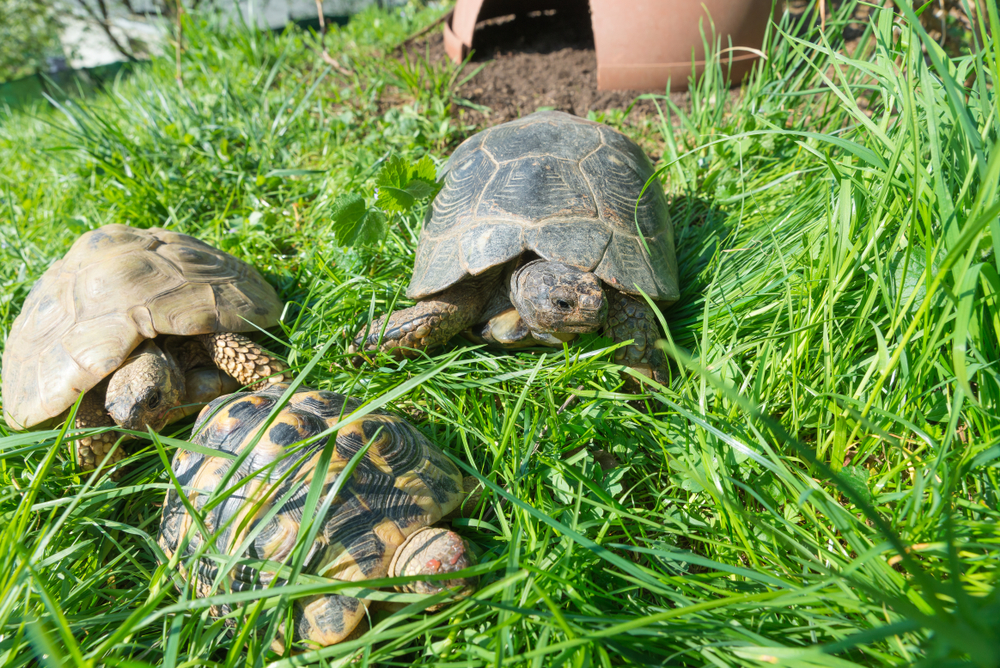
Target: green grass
[817,486]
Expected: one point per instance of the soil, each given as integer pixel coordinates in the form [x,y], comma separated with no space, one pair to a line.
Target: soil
[540,60]
[547,60]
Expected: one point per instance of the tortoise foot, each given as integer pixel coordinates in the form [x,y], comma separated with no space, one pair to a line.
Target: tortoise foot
[244,360]
[91,450]
[632,320]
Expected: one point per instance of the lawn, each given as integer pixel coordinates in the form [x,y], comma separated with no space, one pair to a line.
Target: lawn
[818,484]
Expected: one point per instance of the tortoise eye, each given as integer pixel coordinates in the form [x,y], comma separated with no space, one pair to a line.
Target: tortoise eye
[154,399]
[563,304]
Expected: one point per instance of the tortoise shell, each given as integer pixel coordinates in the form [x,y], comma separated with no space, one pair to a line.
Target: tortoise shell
[559,186]
[403,483]
[116,287]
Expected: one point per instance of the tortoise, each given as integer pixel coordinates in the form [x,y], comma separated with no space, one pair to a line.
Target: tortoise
[380,523]
[535,237]
[145,323]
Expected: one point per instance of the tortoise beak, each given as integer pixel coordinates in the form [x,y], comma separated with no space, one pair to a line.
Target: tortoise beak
[131,412]
[591,313]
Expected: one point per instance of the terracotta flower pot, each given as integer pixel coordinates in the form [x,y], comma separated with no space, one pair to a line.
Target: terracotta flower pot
[641,44]
[657,40]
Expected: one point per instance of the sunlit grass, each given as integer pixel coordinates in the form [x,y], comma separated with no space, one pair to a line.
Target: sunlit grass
[818,484]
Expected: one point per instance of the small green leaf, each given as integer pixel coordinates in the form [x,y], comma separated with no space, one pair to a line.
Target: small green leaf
[421,189]
[401,184]
[394,174]
[395,200]
[424,170]
[374,228]
[348,209]
[353,223]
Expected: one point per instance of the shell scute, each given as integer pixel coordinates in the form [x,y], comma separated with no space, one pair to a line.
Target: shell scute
[294,428]
[439,266]
[227,426]
[97,344]
[634,156]
[98,286]
[621,184]
[455,204]
[536,188]
[115,239]
[328,405]
[249,408]
[198,264]
[45,309]
[186,311]
[360,553]
[488,245]
[324,618]
[50,375]
[464,150]
[542,134]
[626,266]
[576,243]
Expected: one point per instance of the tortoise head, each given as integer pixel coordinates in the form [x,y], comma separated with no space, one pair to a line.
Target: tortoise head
[555,298]
[145,389]
[433,551]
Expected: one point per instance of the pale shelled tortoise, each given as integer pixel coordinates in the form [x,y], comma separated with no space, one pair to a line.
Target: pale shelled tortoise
[145,323]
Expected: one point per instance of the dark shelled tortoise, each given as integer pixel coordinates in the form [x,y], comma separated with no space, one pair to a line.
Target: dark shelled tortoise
[144,322]
[379,524]
[536,238]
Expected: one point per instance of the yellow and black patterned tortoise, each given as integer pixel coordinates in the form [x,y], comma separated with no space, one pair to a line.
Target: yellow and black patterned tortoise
[379,525]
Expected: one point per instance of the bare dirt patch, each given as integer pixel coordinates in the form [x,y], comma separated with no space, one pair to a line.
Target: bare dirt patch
[542,60]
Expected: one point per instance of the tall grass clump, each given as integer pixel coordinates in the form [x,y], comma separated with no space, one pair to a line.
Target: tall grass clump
[816,486]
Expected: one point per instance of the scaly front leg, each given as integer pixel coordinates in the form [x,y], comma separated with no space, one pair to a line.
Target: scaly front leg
[244,360]
[92,413]
[629,318]
[429,323]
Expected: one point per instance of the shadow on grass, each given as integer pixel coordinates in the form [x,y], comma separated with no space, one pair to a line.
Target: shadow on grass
[26,91]
[700,228]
